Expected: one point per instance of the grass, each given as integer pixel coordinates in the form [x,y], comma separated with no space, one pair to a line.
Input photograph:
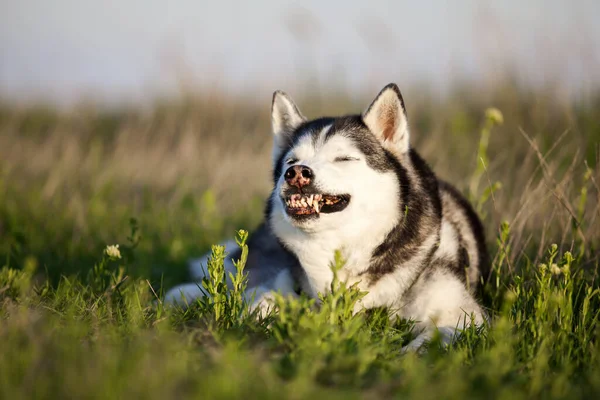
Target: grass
[78,320]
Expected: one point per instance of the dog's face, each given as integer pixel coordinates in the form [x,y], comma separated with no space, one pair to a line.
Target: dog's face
[338,173]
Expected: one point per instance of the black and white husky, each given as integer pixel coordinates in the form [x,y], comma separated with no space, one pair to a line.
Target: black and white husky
[354,184]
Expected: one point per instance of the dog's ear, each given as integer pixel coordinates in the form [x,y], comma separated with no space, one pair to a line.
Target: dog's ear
[285,118]
[386,118]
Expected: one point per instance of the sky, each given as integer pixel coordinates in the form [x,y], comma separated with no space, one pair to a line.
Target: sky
[61,50]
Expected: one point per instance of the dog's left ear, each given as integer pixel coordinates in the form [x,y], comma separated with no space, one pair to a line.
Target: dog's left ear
[285,119]
[386,118]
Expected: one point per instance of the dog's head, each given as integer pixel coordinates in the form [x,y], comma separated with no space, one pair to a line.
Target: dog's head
[331,173]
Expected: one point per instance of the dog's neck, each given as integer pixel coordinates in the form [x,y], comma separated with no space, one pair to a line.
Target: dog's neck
[316,250]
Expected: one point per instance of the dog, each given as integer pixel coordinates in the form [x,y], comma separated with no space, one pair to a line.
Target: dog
[412,242]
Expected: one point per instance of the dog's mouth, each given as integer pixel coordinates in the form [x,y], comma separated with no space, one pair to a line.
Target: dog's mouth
[304,205]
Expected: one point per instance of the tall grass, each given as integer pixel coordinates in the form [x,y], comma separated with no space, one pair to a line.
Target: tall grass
[80,319]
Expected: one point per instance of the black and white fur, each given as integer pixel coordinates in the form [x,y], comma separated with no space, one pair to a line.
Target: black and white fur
[409,240]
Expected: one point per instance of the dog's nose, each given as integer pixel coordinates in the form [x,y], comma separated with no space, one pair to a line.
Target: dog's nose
[298,175]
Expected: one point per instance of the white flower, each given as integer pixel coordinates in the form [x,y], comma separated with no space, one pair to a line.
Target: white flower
[113,252]
[494,115]
[510,296]
[555,269]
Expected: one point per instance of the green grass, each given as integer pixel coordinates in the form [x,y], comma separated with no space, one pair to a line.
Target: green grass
[107,335]
[78,322]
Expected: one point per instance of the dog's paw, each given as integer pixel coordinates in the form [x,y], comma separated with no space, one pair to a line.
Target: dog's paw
[417,345]
[443,336]
[184,294]
[263,301]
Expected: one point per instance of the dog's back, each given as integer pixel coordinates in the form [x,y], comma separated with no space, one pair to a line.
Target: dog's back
[469,253]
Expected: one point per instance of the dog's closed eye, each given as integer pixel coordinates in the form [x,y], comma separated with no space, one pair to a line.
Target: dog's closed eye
[345,159]
[290,161]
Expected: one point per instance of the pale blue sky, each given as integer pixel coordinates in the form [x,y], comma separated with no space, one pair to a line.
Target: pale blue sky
[133,49]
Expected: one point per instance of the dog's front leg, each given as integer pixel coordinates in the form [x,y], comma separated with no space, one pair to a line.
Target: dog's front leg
[440,303]
[446,334]
[262,298]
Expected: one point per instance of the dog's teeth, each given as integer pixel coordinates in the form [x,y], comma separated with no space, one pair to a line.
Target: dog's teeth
[303,202]
[316,206]
[310,200]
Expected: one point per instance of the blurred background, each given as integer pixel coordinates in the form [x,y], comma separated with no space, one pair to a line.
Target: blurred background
[135,50]
[160,112]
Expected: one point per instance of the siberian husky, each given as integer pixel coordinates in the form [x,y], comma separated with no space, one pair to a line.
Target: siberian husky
[355,184]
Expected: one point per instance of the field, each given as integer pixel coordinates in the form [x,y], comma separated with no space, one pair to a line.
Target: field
[167,181]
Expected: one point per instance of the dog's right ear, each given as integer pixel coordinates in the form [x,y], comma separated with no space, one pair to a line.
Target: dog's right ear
[285,118]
